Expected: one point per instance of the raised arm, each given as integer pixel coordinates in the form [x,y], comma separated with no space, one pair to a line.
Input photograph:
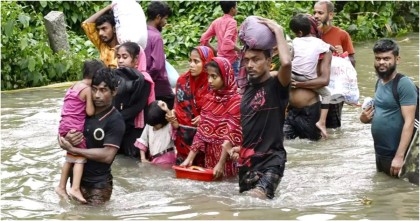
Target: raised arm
[93,18]
[285,71]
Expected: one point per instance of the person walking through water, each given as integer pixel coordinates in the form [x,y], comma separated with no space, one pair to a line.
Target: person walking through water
[262,156]
[219,120]
[341,41]
[392,123]
[134,93]
[191,88]
[77,105]
[307,48]
[103,132]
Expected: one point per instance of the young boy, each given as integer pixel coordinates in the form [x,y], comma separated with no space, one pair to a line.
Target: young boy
[306,52]
[225,29]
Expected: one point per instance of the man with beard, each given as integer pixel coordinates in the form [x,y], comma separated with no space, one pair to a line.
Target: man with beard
[341,41]
[335,36]
[100,29]
[392,123]
[263,104]
[157,15]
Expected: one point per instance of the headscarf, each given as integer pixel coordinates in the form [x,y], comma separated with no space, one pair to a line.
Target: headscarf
[220,116]
[141,66]
[189,100]
[229,89]
[190,92]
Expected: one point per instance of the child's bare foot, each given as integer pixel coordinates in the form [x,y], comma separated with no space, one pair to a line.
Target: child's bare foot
[77,195]
[61,192]
[323,129]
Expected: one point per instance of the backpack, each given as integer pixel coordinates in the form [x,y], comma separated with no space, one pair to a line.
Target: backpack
[397,98]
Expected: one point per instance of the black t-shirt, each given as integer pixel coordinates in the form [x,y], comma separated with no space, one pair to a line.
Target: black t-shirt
[106,128]
[263,109]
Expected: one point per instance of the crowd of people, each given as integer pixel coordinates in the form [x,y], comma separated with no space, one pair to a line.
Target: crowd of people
[125,104]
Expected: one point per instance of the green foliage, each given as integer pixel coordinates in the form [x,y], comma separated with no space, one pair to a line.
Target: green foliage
[374,19]
[27,60]
[76,11]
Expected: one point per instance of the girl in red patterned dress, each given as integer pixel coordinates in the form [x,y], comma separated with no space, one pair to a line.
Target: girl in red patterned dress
[220,120]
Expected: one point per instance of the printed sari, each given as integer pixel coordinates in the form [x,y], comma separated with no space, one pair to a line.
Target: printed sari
[189,100]
[220,120]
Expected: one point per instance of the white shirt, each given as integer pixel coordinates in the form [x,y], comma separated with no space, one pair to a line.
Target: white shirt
[306,55]
[157,140]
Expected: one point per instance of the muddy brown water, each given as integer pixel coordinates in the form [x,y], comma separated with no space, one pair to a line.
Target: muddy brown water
[323,180]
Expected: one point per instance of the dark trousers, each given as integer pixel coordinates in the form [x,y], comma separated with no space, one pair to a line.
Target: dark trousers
[334,115]
[300,122]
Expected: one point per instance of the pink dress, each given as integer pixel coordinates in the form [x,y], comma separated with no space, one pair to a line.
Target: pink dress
[73,114]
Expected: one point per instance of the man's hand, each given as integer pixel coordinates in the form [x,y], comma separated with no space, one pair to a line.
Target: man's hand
[367,115]
[396,165]
[272,25]
[339,49]
[74,137]
[294,84]
[64,144]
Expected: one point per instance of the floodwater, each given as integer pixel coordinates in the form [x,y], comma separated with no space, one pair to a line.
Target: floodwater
[323,180]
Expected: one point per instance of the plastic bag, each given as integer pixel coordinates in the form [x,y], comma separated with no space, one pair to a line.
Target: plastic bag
[130,22]
[343,80]
[173,75]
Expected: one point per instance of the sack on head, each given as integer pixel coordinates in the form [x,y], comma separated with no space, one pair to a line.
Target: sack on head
[256,35]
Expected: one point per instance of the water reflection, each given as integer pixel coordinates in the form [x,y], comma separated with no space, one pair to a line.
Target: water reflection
[323,180]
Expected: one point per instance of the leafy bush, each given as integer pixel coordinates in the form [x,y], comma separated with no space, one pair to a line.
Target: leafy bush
[27,60]
[76,11]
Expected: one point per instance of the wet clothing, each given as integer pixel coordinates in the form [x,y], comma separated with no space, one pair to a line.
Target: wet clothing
[106,53]
[225,29]
[263,109]
[189,100]
[267,179]
[300,122]
[132,97]
[337,36]
[73,114]
[383,164]
[97,196]
[387,122]
[103,129]
[334,115]
[155,60]
[220,120]
[160,144]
